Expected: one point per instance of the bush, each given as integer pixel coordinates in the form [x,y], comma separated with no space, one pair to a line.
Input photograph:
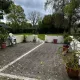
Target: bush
[67,39]
[3,35]
[65,35]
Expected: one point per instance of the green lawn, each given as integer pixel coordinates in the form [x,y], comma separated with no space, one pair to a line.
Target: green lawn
[24,34]
[41,36]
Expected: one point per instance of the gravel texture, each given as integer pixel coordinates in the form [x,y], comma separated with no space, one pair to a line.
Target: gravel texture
[11,53]
[43,64]
[7,78]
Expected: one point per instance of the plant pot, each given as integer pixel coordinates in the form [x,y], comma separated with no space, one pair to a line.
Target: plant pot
[65,47]
[3,45]
[73,73]
[34,40]
[55,41]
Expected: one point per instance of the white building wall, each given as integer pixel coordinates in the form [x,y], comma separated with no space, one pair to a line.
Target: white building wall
[19,38]
[31,37]
[49,38]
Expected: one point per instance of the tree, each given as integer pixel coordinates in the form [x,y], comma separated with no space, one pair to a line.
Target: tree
[69,9]
[57,5]
[16,16]
[47,24]
[58,20]
[4,5]
[72,12]
[47,21]
[34,17]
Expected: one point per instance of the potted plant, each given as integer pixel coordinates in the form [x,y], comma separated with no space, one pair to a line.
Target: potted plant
[34,39]
[72,64]
[24,38]
[3,37]
[67,40]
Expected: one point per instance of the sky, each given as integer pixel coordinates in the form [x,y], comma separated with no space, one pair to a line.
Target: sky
[33,5]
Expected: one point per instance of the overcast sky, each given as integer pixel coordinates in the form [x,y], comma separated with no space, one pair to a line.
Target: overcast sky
[31,5]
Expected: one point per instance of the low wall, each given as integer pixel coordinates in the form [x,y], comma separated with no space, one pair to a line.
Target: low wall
[31,37]
[19,38]
[75,45]
[49,38]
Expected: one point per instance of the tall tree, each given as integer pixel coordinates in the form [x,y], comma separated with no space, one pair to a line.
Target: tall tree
[58,20]
[47,24]
[4,7]
[69,8]
[57,5]
[72,12]
[34,17]
[4,4]
[16,16]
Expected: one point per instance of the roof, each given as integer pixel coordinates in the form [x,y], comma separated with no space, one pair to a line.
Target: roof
[4,26]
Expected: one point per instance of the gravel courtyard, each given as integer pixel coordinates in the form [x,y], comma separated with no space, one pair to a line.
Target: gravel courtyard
[44,63]
[11,53]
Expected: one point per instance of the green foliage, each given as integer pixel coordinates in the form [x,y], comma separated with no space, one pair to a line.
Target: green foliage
[71,60]
[17,17]
[65,35]
[17,14]
[28,25]
[3,35]
[73,63]
[58,19]
[46,25]
[53,23]
[67,39]
[41,36]
[70,8]
[47,19]
[5,4]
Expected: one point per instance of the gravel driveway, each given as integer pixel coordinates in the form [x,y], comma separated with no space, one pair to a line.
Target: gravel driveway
[11,53]
[43,63]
